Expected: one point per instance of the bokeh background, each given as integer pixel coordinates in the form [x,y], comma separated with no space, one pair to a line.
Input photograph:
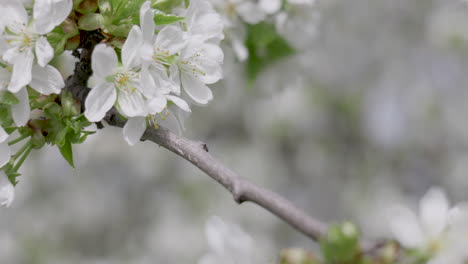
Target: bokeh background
[371,111]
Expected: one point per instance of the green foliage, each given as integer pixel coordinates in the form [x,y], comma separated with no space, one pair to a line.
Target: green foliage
[166,5]
[64,125]
[119,15]
[61,34]
[161,18]
[8,98]
[265,46]
[5,117]
[341,244]
[90,22]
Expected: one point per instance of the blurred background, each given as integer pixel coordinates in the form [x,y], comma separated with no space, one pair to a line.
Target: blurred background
[371,110]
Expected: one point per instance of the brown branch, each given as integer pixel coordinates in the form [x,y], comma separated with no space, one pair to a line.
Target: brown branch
[241,189]
[197,153]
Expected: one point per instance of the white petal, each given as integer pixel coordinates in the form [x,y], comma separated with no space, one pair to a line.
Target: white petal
[175,79]
[46,80]
[10,54]
[170,39]
[131,48]
[7,191]
[103,61]
[21,111]
[5,154]
[196,89]
[270,6]
[250,12]
[132,104]
[3,135]
[148,84]
[157,104]
[240,49]
[99,101]
[406,229]
[50,13]
[179,102]
[147,22]
[13,13]
[22,68]
[134,129]
[44,52]
[434,208]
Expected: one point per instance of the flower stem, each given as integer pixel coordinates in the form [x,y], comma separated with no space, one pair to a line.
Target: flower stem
[18,140]
[21,150]
[26,152]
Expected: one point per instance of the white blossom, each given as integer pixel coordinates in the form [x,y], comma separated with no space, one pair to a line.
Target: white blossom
[228,244]
[199,64]
[7,191]
[434,231]
[114,84]
[28,51]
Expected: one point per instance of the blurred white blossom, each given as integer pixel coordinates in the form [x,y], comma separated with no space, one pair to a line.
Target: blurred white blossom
[228,244]
[436,231]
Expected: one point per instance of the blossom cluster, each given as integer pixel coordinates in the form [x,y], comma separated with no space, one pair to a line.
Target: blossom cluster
[237,14]
[437,234]
[145,70]
[25,54]
[155,68]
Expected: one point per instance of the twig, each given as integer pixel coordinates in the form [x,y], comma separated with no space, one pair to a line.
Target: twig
[197,153]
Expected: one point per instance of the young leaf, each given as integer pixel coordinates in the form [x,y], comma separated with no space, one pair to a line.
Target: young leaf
[8,98]
[67,153]
[161,18]
[90,22]
[265,46]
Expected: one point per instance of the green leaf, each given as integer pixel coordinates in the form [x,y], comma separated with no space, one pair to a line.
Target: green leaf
[67,153]
[90,22]
[119,15]
[8,98]
[161,18]
[265,46]
[5,116]
[57,39]
[165,5]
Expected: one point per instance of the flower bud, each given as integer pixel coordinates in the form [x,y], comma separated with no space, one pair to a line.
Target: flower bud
[87,7]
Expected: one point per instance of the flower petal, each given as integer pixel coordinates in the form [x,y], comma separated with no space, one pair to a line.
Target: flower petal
[171,39]
[5,154]
[99,101]
[132,104]
[50,13]
[134,129]
[13,15]
[103,61]
[270,6]
[240,49]
[250,12]
[46,80]
[44,52]
[405,227]
[147,22]
[434,208]
[196,89]
[3,135]
[21,111]
[179,102]
[157,104]
[22,68]
[7,191]
[131,48]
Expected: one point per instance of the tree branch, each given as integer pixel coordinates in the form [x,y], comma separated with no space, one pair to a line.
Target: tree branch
[241,189]
[197,153]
